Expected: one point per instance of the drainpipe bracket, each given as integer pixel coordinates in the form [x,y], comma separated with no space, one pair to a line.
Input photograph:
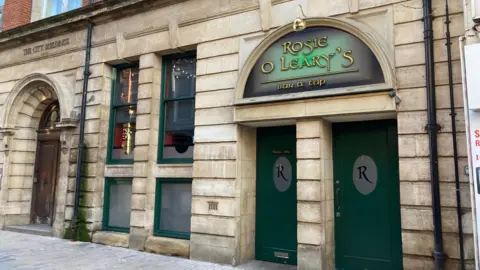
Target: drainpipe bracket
[439,257]
[436,127]
[87,73]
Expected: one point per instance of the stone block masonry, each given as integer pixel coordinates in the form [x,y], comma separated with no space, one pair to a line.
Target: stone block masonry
[224,166]
[315,195]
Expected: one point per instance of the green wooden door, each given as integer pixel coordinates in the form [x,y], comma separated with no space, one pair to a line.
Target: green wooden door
[367,203]
[276,213]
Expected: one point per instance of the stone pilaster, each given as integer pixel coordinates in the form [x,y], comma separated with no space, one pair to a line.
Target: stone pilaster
[95,141]
[315,195]
[6,137]
[145,155]
[61,188]
[246,185]
[215,231]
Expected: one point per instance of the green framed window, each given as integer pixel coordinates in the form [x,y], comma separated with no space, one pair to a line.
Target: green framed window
[123,114]
[177,109]
[117,204]
[173,208]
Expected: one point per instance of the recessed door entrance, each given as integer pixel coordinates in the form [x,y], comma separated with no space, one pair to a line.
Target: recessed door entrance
[367,204]
[46,165]
[276,206]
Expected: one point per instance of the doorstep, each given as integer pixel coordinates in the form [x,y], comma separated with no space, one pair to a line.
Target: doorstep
[34,229]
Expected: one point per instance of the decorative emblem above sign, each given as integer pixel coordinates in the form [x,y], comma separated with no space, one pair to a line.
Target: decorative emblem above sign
[365,174]
[316,58]
[282,174]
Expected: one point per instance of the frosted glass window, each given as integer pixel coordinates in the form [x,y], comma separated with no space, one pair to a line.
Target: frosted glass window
[176,204]
[119,203]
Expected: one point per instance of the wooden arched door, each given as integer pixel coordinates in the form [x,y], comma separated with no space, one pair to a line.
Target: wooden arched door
[46,167]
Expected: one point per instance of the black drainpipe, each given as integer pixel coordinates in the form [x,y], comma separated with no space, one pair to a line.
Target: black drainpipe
[432,126]
[454,136]
[86,74]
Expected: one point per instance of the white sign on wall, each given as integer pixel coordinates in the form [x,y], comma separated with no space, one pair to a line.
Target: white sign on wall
[472,112]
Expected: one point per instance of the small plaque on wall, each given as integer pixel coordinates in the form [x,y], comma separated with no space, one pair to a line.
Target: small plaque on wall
[212,205]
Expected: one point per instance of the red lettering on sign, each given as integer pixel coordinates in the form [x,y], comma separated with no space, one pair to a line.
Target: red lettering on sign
[477,133]
[477,142]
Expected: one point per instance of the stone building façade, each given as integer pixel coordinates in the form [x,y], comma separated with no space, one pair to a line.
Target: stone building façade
[138,44]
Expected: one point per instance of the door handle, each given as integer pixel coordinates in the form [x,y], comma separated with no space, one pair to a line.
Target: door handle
[337,202]
[35,175]
[337,198]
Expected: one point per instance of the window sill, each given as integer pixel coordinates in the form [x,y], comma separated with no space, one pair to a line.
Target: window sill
[175,165]
[119,170]
[173,171]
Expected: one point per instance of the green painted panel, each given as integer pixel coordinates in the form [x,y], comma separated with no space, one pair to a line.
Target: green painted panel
[316,58]
[367,203]
[276,215]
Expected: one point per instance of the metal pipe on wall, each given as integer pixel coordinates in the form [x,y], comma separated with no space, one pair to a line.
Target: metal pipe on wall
[432,127]
[454,135]
[81,139]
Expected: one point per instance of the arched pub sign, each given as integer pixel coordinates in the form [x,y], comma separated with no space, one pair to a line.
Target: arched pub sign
[317,58]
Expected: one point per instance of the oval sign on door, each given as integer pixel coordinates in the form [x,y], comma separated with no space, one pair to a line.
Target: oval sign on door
[365,174]
[282,174]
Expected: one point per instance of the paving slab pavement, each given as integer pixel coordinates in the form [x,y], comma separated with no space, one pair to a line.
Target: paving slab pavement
[32,252]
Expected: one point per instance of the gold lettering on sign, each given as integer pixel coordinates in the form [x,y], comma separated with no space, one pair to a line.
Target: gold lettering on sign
[285,86]
[322,61]
[348,55]
[268,65]
[301,84]
[47,46]
[311,44]
[316,82]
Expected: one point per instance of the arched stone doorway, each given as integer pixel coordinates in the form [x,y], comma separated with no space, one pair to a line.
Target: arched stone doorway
[30,132]
[46,166]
